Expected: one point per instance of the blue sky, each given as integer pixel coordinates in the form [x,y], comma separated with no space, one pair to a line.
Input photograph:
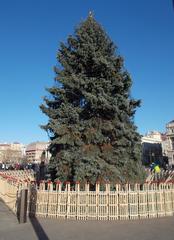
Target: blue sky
[30,33]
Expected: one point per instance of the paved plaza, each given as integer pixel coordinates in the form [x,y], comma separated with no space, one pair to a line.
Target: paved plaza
[53,229]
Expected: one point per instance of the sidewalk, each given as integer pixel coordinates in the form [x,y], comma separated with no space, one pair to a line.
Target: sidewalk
[53,229]
[11,229]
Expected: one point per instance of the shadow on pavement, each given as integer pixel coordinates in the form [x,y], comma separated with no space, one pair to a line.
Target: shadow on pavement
[41,234]
[38,229]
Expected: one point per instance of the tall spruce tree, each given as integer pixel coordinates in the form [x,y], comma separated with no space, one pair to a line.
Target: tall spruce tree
[90,111]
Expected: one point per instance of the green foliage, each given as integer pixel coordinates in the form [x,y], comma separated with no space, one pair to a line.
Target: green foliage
[90,111]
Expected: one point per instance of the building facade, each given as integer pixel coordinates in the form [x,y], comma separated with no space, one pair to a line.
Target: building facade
[37,152]
[170,142]
[11,152]
[152,148]
[159,147]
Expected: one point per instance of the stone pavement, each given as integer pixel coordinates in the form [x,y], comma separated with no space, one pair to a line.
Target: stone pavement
[53,229]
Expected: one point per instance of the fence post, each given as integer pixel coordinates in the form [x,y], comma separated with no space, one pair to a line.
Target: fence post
[97,189]
[77,189]
[59,190]
[107,189]
[87,200]
[68,199]
[23,206]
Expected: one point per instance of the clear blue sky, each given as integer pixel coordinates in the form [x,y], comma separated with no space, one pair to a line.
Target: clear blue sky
[30,33]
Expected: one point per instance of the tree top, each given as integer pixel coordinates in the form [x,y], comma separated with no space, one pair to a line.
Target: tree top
[91,14]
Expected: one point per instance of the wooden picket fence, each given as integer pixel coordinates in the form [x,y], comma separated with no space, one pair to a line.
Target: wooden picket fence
[124,202]
[163,175]
[20,175]
[77,201]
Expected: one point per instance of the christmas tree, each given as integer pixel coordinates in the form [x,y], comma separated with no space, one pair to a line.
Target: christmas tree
[90,110]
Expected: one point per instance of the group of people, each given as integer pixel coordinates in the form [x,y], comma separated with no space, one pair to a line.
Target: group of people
[40,169]
[15,166]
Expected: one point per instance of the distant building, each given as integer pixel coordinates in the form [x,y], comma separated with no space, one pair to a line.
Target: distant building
[170,142]
[152,148]
[11,152]
[37,151]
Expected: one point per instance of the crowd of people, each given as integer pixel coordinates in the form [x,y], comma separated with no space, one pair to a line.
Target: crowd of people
[40,169]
